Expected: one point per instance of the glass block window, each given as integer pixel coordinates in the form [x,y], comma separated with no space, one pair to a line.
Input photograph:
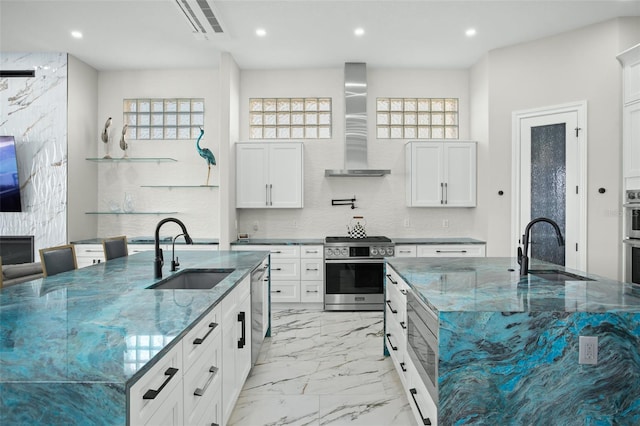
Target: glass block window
[290,118]
[172,118]
[417,118]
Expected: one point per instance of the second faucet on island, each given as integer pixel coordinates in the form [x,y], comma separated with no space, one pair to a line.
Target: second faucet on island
[159,258]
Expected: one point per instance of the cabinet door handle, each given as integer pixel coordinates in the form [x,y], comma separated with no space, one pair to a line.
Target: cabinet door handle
[395,348]
[276,269]
[276,251]
[403,367]
[152,393]
[403,291]
[393,311]
[312,269]
[426,421]
[270,194]
[276,291]
[446,193]
[201,391]
[312,291]
[243,339]
[451,251]
[441,192]
[199,340]
[404,251]
[391,279]
[403,325]
[266,194]
[311,251]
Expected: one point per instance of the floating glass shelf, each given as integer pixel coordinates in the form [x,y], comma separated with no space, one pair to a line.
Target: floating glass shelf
[179,186]
[131,212]
[132,160]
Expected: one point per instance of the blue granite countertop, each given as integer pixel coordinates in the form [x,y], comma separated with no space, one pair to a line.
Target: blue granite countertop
[86,335]
[279,241]
[441,240]
[491,284]
[151,240]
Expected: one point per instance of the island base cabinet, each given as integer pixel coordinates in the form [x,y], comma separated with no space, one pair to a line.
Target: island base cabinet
[203,384]
[424,409]
[156,398]
[236,345]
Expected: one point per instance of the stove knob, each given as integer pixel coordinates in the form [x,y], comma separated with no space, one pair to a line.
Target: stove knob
[374,251]
[389,251]
[344,252]
[631,196]
[329,252]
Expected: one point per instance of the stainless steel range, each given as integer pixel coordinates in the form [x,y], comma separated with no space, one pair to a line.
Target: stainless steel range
[354,273]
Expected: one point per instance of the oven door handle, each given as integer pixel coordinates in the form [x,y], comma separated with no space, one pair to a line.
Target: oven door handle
[632,242]
[354,260]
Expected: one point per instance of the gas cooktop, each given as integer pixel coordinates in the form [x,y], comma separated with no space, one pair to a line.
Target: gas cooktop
[368,240]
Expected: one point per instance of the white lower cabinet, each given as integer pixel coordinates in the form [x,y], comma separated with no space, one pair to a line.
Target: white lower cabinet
[297,272]
[421,403]
[88,254]
[189,385]
[236,345]
[440,250]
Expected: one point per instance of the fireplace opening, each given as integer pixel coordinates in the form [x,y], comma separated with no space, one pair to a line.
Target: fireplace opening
[16,249]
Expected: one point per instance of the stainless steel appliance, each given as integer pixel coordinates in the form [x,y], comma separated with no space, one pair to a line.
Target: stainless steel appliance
[422,339]
[258,294]
[354,273]
[632,240]
[632,208]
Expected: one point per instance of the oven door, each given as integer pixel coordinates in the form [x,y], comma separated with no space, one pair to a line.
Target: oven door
[422,329]
[632,261]
[354,276]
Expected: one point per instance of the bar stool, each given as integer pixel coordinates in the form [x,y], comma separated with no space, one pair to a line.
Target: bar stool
[58,259]
[115,247]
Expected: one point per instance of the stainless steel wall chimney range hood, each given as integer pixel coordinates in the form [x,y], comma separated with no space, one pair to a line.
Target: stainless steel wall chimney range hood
[355,147]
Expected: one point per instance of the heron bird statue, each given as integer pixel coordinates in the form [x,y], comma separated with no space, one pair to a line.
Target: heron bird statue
[123,143]
[105,136]
[206,154]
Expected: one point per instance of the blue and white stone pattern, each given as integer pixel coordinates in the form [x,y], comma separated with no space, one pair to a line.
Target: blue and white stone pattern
[508,346]
[72,344]
[34,111]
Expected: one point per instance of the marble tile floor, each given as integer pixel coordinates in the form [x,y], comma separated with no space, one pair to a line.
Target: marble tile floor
[323,368]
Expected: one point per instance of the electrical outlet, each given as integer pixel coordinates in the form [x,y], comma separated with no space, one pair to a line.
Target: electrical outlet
[445,223]
[407,223]
[588,350]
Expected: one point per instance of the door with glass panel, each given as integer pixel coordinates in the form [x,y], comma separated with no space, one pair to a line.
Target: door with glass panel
[549,179]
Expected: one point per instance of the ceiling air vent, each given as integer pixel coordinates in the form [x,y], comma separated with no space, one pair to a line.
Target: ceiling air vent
[201,17]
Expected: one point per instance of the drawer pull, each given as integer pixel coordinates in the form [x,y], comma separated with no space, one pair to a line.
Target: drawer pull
[199,340]
[395,348]
[276,269]
[393,311]
[403,291]
[391,279]
[242,319]
[403,325]
[413,392]
[311,251]
[276,252]
[313,269]
[404,251]
[152,393]
[276,291]
[312,291]
[451,251]
[403,367]
[201,391]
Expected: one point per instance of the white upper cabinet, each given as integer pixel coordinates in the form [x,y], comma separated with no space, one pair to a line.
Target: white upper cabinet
[630,60]
[441,174]
[269,175]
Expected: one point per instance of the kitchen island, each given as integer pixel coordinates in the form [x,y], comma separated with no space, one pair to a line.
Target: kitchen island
[508,347]
[73,344]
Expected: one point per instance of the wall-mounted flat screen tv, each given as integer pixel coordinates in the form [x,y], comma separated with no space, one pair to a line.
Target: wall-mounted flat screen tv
[9,185]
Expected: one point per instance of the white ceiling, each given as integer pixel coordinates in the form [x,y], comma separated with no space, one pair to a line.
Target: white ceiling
[153,34]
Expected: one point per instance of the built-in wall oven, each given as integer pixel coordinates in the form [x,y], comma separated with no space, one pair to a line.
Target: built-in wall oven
[632,240]
[354,273]
[422,339]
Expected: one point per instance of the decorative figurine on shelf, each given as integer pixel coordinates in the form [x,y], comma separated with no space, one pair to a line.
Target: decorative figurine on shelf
[206,154]
[123,143]
[105,136]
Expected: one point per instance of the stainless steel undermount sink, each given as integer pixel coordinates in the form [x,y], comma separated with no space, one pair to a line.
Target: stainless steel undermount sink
[192,279]
[557,275]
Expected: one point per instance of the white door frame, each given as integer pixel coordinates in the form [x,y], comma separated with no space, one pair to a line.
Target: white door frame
[580,107]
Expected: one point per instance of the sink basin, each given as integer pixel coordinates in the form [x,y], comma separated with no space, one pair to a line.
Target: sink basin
[194,279]
[557,275]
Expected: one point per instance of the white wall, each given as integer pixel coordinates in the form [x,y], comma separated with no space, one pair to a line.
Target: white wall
[34,111]
[198,208]
[574,66]
[82,110]
[380,200]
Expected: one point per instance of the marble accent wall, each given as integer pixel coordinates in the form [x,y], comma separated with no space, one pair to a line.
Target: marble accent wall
[522,368]
[34,111]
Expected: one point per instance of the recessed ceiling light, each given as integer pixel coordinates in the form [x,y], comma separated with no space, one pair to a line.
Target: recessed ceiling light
[470,32]
[359,32]
[261,32]
[76,34]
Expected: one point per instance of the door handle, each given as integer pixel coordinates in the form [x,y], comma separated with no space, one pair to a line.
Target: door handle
[243,339]
[393,311]
[391,279]
[441,192]
[395,348]
[425,421]
[270,194]
[446,193]
[152,393]
[201,391]
[212,326]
